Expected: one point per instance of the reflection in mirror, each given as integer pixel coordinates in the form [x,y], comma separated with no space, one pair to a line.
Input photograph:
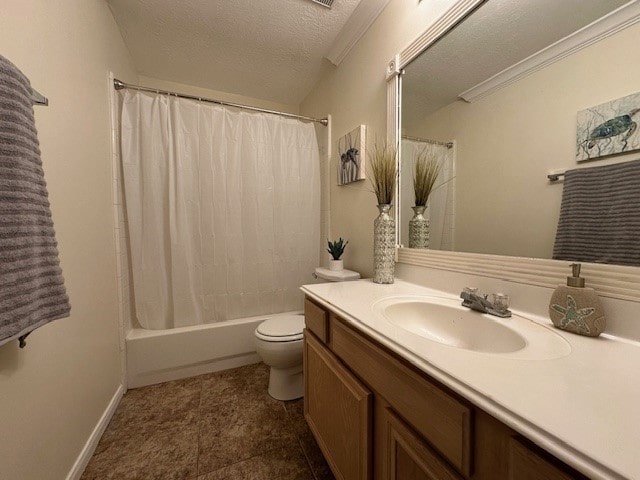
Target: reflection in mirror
[507,142]
[437,231]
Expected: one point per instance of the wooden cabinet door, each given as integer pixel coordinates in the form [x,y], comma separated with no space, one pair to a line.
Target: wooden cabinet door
[440,418]
[337,408]
[409,457]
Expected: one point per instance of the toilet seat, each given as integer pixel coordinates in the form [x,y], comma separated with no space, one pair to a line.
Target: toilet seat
[286,328]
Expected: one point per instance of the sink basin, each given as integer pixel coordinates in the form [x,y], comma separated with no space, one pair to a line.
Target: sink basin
[447,322]
[456,326]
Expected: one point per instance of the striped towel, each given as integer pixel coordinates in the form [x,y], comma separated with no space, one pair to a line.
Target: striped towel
[600,215]
[32,290]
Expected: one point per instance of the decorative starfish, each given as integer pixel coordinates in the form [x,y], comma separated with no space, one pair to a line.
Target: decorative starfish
[571,314]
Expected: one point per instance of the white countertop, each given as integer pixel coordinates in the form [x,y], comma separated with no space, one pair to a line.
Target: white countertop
[583,407]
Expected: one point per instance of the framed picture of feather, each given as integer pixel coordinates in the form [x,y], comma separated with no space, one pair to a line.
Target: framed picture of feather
[351,156]
[608,129]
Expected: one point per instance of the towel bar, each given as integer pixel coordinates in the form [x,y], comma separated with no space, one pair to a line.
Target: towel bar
[38,98]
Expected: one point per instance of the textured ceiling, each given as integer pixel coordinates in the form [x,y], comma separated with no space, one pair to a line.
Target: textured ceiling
[497,35]
[268,49]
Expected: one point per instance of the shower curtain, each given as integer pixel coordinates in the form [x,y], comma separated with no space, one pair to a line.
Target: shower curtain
[223,210]
[440,211]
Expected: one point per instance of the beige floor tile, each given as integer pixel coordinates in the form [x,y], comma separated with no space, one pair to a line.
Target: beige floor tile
[240,430]
[161,455]
[282,464]
[316,460]
[295,411]
[235,385]
[164,407]
[222,425]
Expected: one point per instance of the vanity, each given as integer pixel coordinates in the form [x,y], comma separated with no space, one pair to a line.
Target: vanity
[401,382]
[385,402]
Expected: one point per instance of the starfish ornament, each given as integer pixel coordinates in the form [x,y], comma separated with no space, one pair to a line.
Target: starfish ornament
[571,314]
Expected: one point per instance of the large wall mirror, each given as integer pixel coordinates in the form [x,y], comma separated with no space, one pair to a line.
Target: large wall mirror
[497,107]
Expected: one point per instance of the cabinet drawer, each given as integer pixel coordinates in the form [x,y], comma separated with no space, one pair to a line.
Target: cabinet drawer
[338,409]
[526,462]
[316,320]
[439,417]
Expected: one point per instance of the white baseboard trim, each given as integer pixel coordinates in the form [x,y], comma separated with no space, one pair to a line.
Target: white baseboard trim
[92,442]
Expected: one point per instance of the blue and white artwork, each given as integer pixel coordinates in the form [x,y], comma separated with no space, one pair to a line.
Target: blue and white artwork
[609,129]
[351,164]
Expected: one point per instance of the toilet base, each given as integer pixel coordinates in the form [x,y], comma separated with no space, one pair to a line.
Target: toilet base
[286,383]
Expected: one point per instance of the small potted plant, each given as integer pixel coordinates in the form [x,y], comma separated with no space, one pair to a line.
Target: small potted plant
[425,174]
[336,249]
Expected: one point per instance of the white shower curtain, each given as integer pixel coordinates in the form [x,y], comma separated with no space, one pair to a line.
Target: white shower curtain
[223,210]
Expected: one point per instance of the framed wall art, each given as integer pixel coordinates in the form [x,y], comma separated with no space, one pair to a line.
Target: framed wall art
[608,129]
[351,156]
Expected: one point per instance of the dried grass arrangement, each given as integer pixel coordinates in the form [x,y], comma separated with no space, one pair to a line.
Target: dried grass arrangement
[425,174]
[384,170]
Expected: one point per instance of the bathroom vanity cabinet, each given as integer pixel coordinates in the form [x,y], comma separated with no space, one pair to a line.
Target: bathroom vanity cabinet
[375,416]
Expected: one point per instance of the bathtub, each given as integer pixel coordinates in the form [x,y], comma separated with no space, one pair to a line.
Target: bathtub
[155,356]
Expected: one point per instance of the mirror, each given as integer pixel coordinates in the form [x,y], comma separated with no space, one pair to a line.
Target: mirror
[492,195]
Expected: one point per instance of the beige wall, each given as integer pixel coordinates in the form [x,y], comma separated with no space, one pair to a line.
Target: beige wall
[54,391]
[354,93]
[509,141]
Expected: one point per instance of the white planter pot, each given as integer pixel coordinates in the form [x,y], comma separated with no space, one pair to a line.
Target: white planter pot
[336,265]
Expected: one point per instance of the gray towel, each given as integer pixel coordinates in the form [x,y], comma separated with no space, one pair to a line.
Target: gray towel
[600,215]
[32,291]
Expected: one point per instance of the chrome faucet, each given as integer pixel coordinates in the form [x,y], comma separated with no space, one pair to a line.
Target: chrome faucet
[499,306]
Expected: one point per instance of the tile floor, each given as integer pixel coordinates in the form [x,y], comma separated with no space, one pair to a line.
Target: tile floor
[220,426]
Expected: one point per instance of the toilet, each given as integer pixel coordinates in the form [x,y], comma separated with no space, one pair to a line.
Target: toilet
[279,341]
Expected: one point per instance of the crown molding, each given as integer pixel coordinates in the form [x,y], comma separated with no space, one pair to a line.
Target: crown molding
[602,28]
[449,19]
[358,23]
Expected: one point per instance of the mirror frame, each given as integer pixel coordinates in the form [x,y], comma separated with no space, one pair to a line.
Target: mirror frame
[613,281]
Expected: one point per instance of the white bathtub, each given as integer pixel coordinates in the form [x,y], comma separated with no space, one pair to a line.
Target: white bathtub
[155,356]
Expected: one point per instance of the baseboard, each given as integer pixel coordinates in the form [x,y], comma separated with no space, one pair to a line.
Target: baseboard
[89,447]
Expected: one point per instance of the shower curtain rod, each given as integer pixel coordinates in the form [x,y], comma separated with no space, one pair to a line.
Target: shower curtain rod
[119,85]
[425,140]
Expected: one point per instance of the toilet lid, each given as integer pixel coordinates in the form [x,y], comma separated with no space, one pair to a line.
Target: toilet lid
[283,326]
